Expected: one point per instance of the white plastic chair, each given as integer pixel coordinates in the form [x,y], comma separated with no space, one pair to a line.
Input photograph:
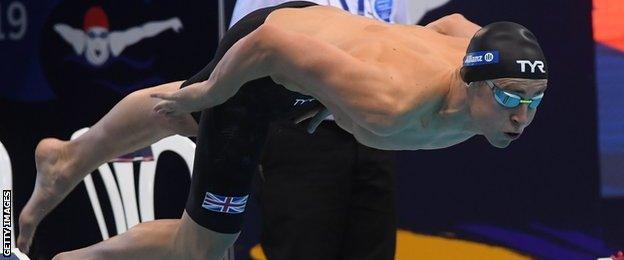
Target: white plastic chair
[121,190]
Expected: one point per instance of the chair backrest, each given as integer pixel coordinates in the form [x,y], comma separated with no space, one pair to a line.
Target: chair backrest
[6,181]
[121,191]
[120,188]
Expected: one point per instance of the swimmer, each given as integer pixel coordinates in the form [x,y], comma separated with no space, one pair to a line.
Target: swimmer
[393,87]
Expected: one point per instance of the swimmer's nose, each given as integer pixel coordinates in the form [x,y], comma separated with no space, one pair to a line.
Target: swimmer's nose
[520,117]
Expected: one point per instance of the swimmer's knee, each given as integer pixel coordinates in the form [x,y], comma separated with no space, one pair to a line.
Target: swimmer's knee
[183,125]
[194,241]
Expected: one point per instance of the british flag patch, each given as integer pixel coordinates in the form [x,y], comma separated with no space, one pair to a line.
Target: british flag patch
[223,204]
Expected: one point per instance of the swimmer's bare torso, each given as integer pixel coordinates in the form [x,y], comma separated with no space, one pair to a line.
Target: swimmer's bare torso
[386,84]
[415,65]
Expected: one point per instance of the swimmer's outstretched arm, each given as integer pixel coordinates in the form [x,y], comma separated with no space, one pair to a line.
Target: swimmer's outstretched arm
[246,60]
[368,93]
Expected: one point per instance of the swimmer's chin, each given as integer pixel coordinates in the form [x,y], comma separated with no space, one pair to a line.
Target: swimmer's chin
[501,144]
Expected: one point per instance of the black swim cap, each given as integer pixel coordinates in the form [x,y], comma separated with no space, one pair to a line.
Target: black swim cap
[503,50]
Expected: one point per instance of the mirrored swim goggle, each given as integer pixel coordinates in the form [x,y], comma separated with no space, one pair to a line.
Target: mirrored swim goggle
[510,100]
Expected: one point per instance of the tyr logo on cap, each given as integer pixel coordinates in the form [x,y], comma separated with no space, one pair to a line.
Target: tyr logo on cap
[538,63]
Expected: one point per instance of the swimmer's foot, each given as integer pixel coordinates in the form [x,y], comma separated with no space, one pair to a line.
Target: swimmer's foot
[55,179]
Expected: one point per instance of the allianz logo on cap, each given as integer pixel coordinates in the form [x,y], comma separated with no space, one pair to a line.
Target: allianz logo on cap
[481,58]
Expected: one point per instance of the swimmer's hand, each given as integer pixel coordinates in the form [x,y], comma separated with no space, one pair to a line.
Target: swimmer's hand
[318,119]
[317,113]
[184,101]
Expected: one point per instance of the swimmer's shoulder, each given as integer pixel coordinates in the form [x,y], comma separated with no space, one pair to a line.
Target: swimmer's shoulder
[422,97]
[318,12]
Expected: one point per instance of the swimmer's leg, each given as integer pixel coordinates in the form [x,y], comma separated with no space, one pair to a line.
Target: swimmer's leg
[130,125]
[61,165]
[229,140]
[234,135]
[148,240]
[157,239]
